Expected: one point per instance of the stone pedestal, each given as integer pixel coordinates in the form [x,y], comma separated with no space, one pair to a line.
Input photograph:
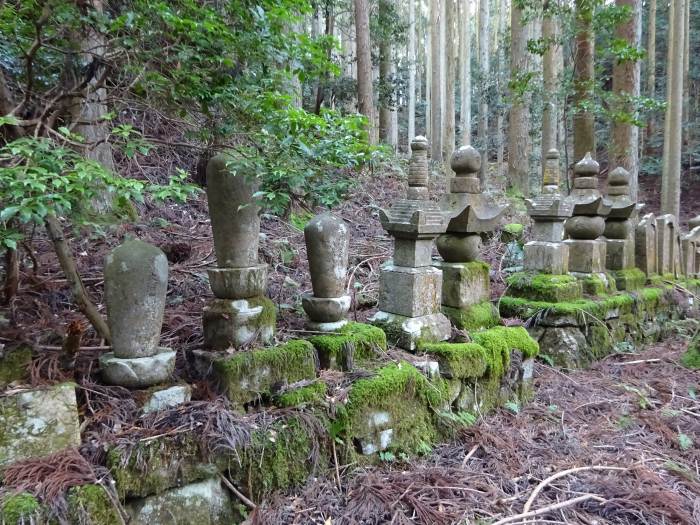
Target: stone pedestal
[405,332]
[619,254]
[238,283]
[547,257]
[326,314]
[586,256]
[464,284]
[235,323]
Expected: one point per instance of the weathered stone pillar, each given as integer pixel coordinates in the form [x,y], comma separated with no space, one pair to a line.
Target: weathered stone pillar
[667,245]
[240,312]
[136,281]
[547,253]
[327,244]
[465,280]
[410,287]
[587,250]
[620,232]
[645,245]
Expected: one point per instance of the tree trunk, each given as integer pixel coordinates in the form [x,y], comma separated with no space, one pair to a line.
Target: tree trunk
[651,69]
[550,75]
[411,72]
[624,145]
[320,88]
[435,88]
[584,120]
[385,96]
[519,144]
[484,71]
[465,83]
[365,103]
[450,79]
[429,80]
[671,178]
[686,82]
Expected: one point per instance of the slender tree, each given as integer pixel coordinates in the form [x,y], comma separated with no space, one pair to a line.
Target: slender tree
[365,103]
[584,120]
[671,176]
[435,77]
[651,68]
[624,146]
[484,71]
[465,82]
[550,74]
[519,144]
[450,79]
[411,71]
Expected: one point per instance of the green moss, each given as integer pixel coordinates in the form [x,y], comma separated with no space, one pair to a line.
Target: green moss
[474,270]
[544,287]
[652,295]
[524,308]
[631,279]
[599,339]
[14,365]
[312,394]
[691,357]
[458,360]
[19,508]
[597,286]
[514,228]
[499,342]
[248,374]
[478,316]
[352,341]
[268,316]
[91,504]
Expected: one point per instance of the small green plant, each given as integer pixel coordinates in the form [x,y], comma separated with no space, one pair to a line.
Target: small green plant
[685,442]
[387,456]
[513,406]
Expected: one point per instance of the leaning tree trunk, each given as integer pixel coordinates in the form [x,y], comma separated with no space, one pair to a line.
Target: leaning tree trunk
[364,64]
[465,83]
[624,146]
[671,177]
[519,144]
[584,119]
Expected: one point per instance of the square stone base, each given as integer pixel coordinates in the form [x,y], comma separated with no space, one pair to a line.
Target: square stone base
[547,257]
[410,292]
[586,256]
[233,324]
[138,372]
[619,254]
[464,284]
[405,332]
[238,283]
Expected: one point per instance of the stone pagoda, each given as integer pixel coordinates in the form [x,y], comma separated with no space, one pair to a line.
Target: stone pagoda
[240,313]
[620,231]
[587,248]
[465,282]
[547,253]
[410,287]
[327,244]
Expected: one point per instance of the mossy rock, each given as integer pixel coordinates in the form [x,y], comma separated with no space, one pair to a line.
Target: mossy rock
[629,280]
[691,357]
[512,232]
[157,465]
[476,317]
[599,308]
[458,360]
[250,375]
[598,285]
[14,365]
[18,509]
[313,394]
[544,287]
[352,341]
[91,504]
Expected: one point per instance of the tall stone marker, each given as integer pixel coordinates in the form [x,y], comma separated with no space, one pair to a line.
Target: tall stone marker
[410,287]
[547,253]
[666,244]
[587,250]
[645,245]
[465,281]
[136,282]
[240,313]
[327,244]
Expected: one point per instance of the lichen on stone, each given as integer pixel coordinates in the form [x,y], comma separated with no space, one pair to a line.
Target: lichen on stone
[268,316]
[14,365]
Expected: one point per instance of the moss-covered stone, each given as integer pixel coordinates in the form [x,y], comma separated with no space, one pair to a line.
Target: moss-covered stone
[458,360]
[14,365]
[353,341]
[19,508]
[312,394]
[524,308]
[544,287]
[597,285]
[157,465]
[475,317]
[629,280]
[249,375]
[691,357]
[90,504]
[268,317]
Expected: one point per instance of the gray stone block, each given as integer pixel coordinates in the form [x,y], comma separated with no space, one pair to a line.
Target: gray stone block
[586,256]
[138,372]
[464,284]
[236,323]
[405,332]
[167,398]
[326,310]
[238,283]
[413,252]
[619,254]
[547,257]
[411,292]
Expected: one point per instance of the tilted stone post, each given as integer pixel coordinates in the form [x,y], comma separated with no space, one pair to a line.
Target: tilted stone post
[136,282]
[547,253]
[410,287]
[327,244]
[667,245]
[587,250]
[465,280]
[645,245]
[240,312]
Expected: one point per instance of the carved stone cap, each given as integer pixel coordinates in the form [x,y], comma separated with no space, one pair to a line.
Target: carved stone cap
[419,143]
[587,167]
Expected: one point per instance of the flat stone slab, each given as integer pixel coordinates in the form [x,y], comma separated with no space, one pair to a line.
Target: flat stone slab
[167,398]
[138,372]
[323,310]
[39,422]
[405,332]
[203,503]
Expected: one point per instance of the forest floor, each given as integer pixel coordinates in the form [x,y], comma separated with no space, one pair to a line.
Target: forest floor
[634,412]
